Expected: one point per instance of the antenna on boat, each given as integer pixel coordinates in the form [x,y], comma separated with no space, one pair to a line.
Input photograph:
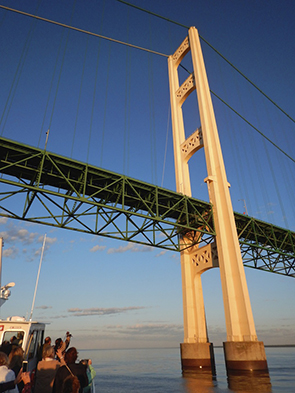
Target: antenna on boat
[36,286]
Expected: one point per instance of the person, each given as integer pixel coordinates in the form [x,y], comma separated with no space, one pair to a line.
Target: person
[71,385]
[6,375]
[46,370]
[27,383]
[70,368]
[6,347]
[25,377]
[47,342]
[63,345]
[90,374]
[20,337]
[16,358]
[13,340]
[4,386]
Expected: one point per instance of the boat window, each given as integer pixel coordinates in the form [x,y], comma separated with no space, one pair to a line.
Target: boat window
[35,342]
[32,344]
[13,337]
[39,341]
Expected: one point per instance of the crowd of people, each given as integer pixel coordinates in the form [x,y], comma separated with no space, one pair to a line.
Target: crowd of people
[57,370]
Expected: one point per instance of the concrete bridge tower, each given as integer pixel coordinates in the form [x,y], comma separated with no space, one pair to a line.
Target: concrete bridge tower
[242,350]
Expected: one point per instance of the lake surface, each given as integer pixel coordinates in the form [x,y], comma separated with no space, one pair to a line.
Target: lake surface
[159,370]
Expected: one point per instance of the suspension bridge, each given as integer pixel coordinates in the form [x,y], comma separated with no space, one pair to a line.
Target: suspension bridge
[53,189]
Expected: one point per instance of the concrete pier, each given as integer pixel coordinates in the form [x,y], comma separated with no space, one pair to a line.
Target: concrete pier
[197,359]
[245,357]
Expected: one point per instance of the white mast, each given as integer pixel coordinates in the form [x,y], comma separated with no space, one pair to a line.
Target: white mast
[36,286]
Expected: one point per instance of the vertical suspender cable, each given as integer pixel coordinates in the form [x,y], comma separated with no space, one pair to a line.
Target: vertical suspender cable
[59,76]
[91,117]
[232,130]
[95,83]
[166,145]
[79,98]
[127,106]
[105,104]
[61,69]
[51,86]
[18,71]
[152,113]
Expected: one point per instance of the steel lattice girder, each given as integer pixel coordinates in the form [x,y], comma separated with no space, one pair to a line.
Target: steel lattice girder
[74,195]
[265,246]
[61,192]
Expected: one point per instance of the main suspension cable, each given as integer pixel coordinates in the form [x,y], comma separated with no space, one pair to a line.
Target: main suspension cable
[83,31]
[164,55]
[215,50]
[251,125]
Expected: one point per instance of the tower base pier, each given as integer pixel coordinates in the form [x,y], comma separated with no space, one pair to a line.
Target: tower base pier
[197,359]
[245,357]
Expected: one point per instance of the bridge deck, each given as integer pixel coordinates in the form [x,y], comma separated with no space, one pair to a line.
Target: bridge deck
[82,197]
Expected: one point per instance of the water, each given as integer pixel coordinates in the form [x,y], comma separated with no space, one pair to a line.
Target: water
[158,371]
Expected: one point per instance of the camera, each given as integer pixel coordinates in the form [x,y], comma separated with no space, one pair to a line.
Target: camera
[25,366]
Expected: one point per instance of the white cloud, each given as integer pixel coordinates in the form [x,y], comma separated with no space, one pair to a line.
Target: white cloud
[13,235]
[10,252]
[163,252]
[97,248]
[130,247]
[151,329]
[49,240]
[17,237]
[283,335]
[44,307]
[79,312]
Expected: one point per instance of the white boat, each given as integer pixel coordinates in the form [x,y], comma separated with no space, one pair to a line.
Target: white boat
[17,330]
[27,334]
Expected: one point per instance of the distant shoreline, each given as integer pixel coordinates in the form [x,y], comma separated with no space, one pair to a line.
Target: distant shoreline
[215,346]
[281,345]
[268,346]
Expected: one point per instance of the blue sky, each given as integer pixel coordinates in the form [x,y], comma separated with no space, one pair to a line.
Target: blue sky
[109,105]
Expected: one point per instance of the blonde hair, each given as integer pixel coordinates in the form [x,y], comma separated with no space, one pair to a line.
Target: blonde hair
[48,351]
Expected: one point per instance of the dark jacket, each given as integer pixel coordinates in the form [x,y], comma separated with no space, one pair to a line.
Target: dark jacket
[62,373]
[6,385]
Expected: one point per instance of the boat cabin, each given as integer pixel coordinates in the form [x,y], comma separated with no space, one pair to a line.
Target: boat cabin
[27,334]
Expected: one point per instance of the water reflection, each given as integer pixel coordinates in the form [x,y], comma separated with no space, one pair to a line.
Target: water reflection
[236,383]
[199,383]
[250,383]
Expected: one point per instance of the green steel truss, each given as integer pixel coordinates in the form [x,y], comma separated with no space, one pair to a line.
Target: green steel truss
[46,188]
